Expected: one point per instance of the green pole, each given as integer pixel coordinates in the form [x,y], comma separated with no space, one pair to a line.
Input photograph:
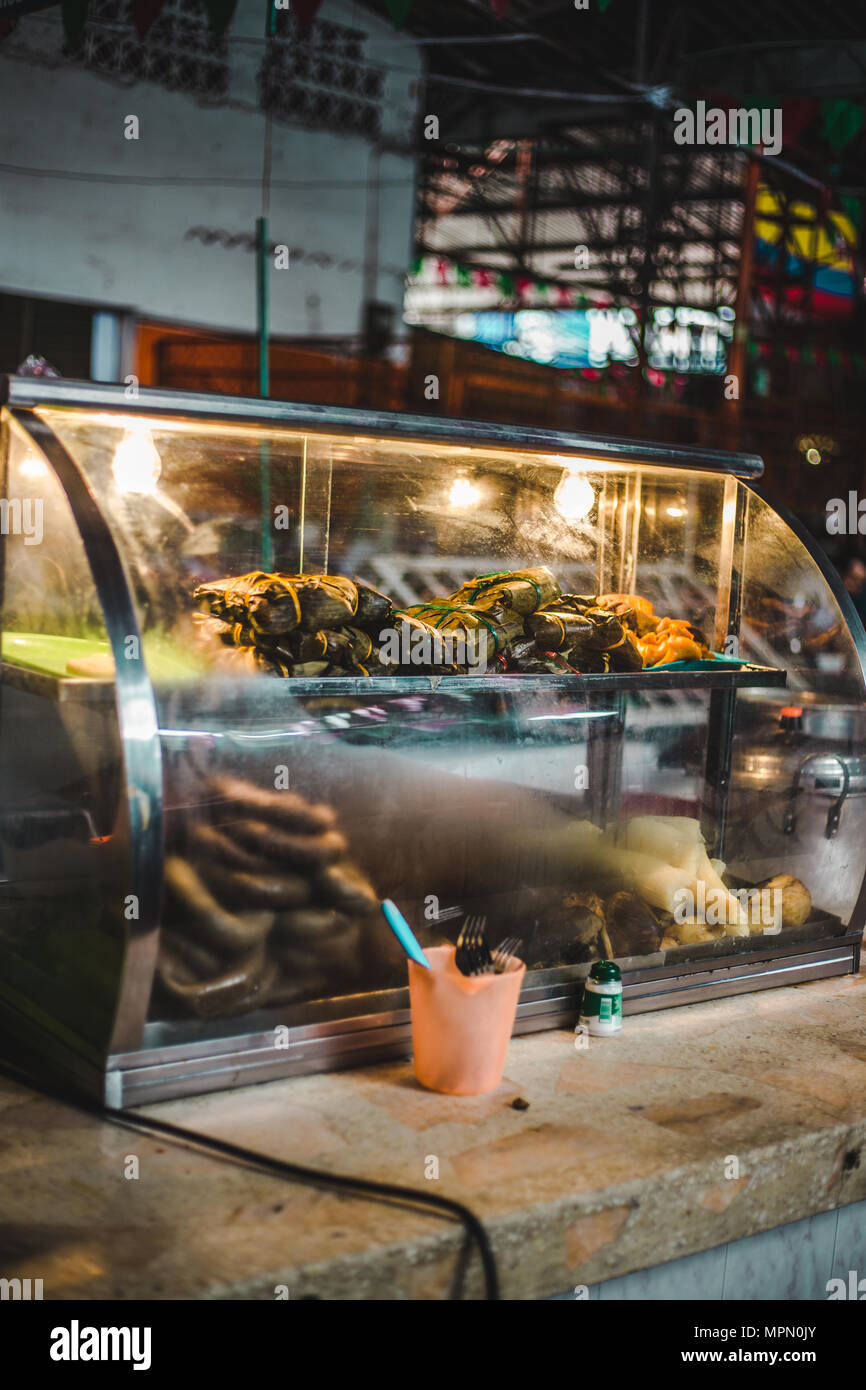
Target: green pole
[262,302]
[267,541]
[262,320]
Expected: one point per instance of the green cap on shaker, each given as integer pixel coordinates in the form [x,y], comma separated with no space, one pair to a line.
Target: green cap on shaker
[606,972]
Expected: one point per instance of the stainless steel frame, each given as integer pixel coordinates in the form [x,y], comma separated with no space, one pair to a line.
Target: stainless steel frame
[143,1077]
[139,731]
[32,392]
[137,1074]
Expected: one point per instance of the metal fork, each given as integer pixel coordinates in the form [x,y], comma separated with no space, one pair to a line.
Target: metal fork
[504,952]
[472,956]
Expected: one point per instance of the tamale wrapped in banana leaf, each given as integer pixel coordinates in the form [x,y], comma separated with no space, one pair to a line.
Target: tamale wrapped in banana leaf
[460,626]
[624,611]
[413,647]
[360,643]
[560,630]
[328,645]
[375,665]
[625,655]
[275,608]
[575,603]
[607,629]
[589,662]
[227,598]
[326,601]
[522,590]
[284,647]
[267,602]
[311,625]
[341,649]
[242,635]
[215,629]
[374,609]
[580,630]
[487,631]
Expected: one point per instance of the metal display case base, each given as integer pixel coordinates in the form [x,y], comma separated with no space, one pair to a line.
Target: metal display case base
[163,1073]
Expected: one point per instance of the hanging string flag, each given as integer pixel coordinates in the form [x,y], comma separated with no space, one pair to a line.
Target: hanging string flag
[499,7]
[842,121]
[398,11]
[305,12]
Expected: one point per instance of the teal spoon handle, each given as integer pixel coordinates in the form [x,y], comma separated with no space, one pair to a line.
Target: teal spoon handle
[404,933]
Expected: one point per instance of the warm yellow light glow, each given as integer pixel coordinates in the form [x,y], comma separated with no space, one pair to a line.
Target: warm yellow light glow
[464,493]
[675,511]
[136,465]
[574,497]
[32,466]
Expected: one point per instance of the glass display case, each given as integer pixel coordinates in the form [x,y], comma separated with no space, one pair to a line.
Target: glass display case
[265,665]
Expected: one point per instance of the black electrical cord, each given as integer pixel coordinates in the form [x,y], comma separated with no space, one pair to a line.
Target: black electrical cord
[292,1172]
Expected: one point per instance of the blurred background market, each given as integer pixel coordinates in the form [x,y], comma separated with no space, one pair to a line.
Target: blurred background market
[474,208]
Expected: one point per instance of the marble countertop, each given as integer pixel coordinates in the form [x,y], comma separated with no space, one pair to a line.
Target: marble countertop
[694,1127]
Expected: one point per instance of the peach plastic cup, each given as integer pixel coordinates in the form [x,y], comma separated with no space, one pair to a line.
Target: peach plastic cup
[461,1024]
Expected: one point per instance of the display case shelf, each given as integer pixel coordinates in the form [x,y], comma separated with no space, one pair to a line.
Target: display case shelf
[725,678]
[79,688]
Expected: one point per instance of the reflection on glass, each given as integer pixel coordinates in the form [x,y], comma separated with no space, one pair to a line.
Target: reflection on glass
[571,797]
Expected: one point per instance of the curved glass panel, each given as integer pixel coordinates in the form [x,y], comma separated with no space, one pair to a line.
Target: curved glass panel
[64,836]
[798,790]
[589,811]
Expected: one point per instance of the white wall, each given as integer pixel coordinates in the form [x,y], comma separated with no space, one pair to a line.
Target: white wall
[124,244]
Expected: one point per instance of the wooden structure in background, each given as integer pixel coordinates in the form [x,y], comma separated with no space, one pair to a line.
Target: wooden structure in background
[444,376]
[478,383]
[186,360]
[450,377]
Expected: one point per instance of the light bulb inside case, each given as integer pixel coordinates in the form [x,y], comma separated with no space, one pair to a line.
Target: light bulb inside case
[463,492]
[574,498]
[136,465]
